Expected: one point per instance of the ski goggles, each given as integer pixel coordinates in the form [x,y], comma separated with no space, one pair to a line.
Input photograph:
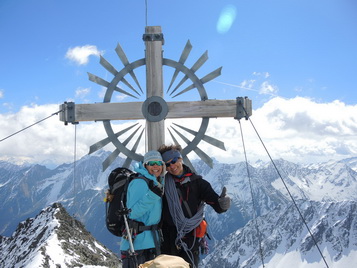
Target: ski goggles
[173,161]
[153,163]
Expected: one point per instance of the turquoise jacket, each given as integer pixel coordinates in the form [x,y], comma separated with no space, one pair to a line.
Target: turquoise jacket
[145,206]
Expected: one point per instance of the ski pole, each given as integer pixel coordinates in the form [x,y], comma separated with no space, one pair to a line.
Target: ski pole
[131,245]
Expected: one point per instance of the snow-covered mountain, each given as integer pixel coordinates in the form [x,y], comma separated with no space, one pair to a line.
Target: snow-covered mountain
[54,239]
[24,190]
[326,194]
[285,241]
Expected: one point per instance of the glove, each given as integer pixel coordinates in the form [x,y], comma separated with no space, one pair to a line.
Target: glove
[155,189]
[224,200]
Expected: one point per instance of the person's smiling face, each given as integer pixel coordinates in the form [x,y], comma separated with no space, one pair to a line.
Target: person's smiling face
[174,166]
[154,168]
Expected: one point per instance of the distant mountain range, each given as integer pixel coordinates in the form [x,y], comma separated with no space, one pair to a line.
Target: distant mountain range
[286,242]
[326,195]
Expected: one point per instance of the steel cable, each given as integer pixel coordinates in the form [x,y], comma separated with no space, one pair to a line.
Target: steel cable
[31,125]
[253,202]
[287,189]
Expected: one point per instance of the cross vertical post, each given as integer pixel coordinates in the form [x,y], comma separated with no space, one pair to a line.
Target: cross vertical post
[155,131]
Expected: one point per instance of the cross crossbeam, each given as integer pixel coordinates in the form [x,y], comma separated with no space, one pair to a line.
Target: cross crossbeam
[133,110]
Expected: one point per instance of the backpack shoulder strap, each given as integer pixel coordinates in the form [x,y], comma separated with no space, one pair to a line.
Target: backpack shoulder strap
[188,210]
[139,176]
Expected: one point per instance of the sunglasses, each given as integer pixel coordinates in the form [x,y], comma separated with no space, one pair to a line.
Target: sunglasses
[173,161]
[153,163]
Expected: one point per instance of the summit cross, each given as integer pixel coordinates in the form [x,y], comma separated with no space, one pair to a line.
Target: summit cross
[155,109]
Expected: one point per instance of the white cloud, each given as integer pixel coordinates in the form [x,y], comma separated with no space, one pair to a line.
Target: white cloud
[120,97]
[298,130]
[102,92]
[80,55]
[267,88]
[263,74]
[82,92]
[48,142]
[1,93]
[247,84]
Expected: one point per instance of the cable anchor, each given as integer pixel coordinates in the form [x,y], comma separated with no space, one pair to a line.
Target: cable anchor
[244,108]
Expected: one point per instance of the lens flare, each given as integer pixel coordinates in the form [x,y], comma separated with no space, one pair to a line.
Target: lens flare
[226,19]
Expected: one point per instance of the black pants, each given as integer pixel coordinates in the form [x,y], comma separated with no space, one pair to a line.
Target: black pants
[140,257]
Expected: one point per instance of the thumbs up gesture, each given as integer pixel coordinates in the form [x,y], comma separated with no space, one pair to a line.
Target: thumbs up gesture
[224,200]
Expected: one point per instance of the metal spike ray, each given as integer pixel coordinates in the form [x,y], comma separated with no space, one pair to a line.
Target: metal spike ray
[135,147]
[197,150]
[130,86]
[98,80]
[207,78]
[110,68]
[211,75]
[120,52]
[185,158]
[208,160]
[200,61]
[100,144]
[217,143]
[104,83]
[109,160]
[194,68]
[188,163]
[186,51]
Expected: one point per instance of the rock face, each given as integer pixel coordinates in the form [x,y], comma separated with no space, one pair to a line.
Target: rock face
[54,239]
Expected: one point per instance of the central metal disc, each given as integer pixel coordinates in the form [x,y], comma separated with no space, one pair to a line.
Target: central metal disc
[154,109]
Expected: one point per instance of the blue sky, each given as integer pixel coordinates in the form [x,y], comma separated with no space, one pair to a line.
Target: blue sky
[290,54]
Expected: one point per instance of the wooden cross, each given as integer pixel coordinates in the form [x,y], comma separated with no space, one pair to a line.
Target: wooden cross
[155,109]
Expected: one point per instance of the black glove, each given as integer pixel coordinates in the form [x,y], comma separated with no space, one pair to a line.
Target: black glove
[224,200]
[155,188]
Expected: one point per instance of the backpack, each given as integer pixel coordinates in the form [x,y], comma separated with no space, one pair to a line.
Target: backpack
[118,182]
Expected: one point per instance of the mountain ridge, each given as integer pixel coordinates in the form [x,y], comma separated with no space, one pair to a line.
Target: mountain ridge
[53,239]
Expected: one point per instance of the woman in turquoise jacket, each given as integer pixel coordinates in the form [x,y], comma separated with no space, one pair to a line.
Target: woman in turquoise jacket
[144,200]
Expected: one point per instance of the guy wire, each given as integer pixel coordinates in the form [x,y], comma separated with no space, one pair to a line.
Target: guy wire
[146,12]
[287,189]
[252,195]
[31,125]
[75,209]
